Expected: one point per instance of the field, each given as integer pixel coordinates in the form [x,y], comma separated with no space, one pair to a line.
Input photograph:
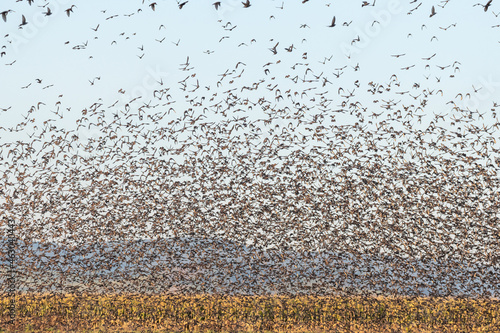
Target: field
[212,313]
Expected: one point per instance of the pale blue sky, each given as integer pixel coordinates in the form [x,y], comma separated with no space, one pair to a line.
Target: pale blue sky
[40,51]
[50,49]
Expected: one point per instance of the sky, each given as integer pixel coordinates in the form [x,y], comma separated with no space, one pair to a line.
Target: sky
[122,54]
[66,54]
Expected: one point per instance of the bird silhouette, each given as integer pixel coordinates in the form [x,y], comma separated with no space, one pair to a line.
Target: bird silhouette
[486,6]
[333,23]
[433,12]
[70,10]
[5,13]
[23,22]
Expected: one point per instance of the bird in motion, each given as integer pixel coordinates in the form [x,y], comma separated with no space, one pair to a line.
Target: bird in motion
[48,12]
[23,22]
[333,23]
[486,6]
[433,11]
[4,14]
[70,10]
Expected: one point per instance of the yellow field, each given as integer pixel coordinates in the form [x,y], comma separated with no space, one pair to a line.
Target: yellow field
[208,313]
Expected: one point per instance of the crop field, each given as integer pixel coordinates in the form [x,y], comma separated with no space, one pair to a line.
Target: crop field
[212,313]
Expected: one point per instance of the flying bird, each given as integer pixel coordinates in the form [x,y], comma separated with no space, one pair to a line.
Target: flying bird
[433,11]
[70,10]
[333,23]
[4,14]
[23,22]
[488,4]
[273,49]
[429,58]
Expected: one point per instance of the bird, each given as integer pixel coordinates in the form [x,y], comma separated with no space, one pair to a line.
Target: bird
[333,23]
[433,12]
[70,10]
[246,4]
[4,14]
[486,6]
[23,22]
[429,58]
[408,67]
[274,48]
[217,4]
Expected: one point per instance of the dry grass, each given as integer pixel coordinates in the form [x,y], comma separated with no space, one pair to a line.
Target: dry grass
[209,313]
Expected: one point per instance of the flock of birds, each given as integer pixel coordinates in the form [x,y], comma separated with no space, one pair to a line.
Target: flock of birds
[397,199]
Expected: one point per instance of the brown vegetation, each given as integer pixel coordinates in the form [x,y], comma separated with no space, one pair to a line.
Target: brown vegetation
[205,313]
